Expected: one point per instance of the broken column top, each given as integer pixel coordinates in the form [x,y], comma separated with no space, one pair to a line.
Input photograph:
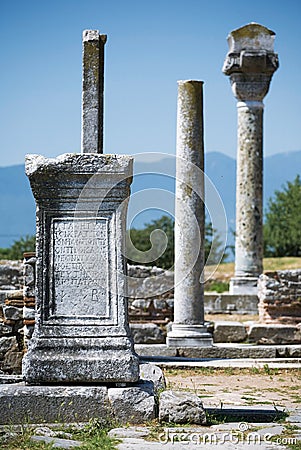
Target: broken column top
[92,94]
[251,51]
[251,37]
[94,35]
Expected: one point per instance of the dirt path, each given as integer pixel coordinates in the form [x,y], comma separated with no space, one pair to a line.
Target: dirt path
[239,387]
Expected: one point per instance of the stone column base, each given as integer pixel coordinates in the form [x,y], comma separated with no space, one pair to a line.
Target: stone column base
[189,336]
[73,404]
[243,285]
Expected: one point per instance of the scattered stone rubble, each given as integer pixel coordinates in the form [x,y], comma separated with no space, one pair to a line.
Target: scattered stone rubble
[181,407]
[11,276]
[280,297]
[11,332]
[17,312]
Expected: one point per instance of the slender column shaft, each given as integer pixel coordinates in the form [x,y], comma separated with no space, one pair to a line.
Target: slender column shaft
[189,208]
[248,245]
[188,328]
[92,93]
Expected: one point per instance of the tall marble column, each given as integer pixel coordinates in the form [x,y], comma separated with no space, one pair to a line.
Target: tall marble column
[250,64]
[188,328]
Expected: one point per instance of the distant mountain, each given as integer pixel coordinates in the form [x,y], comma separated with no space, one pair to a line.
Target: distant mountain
[17,207]
[152,189]
[221,169]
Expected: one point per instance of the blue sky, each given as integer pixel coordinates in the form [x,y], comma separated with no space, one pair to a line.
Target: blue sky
[151,45]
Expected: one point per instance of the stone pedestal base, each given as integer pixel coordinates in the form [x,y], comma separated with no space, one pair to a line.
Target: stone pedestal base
[101,360]
[189,336]
[243,286]
[73,404]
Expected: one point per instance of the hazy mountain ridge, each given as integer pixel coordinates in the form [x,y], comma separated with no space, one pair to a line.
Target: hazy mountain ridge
[17,209]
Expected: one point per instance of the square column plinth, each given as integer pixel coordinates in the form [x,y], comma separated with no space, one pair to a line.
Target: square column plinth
[81,333]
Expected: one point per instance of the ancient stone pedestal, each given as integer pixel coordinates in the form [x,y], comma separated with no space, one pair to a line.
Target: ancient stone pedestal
[81,333]
[250,63]
[188,329]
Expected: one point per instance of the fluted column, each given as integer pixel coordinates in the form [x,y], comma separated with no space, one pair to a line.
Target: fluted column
[250,64]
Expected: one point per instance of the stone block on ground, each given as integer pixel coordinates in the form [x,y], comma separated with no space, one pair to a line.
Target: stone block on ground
[46,431]
[181,407]
[134,404]
[149,350]
[40,404]
[275,334]
[220,351]
[147,333]
[129,432]
[229,332]
[57,442]
[151,372]
[22,403]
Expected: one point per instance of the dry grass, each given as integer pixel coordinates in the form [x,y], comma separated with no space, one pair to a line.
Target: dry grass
[232,317]
[225,271]
[239,387]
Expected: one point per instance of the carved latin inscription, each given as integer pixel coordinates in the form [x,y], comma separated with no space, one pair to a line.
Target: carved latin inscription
[80,258]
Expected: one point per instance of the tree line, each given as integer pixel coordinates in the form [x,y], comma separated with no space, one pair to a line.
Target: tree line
[281,230]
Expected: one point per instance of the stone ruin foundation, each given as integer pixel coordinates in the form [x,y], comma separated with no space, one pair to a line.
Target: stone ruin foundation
[81,361]
[150,315]
[279,295]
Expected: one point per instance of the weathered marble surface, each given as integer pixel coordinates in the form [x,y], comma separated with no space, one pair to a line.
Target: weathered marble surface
[181,407]
[64,404]
[81,332]
[250,64]
[92,93]
[188,328]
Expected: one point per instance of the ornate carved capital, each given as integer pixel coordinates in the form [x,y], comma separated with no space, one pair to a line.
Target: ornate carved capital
[250,87]
[251,61]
